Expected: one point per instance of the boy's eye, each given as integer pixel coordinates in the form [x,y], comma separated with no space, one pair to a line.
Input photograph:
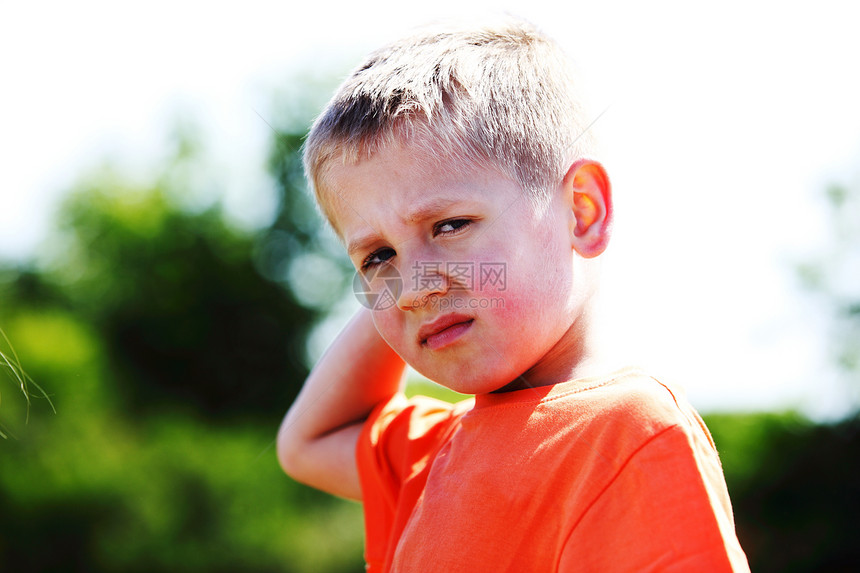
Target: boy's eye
[377,257]
[450,226]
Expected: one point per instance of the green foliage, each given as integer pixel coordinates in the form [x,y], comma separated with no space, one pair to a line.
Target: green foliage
[175,296]
[109,491]
[29,388]
[167,495]
[794,489]
[171,343]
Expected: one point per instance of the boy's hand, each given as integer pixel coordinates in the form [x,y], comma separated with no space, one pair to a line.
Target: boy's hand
[317,439]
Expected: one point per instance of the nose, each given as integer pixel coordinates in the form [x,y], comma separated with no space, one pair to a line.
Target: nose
[422,281]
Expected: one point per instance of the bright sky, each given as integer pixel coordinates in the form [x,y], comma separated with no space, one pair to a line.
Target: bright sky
[723,124]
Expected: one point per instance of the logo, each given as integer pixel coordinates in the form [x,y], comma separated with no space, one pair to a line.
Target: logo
[379,288]
[459,275]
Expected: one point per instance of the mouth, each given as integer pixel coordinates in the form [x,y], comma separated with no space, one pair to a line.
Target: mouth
[444,331]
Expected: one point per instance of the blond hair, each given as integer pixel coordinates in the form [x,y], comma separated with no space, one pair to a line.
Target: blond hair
[503,94]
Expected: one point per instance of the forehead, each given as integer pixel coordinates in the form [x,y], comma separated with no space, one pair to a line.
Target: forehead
[407,181]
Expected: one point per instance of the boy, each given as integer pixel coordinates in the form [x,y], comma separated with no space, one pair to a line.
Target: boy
[445,156]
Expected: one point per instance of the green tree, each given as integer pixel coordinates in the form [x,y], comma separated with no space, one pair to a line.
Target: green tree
[171,343]
[794,490]
[187,320]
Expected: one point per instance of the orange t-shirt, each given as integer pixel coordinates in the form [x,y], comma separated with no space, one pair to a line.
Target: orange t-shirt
[601,474]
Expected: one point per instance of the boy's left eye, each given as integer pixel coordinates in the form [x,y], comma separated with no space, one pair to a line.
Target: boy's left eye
[450,226]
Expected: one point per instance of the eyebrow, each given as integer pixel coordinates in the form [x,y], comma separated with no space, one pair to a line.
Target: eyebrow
[429,209]
[423,211]
[362,243]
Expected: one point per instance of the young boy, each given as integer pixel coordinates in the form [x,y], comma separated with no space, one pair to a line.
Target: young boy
[456,167]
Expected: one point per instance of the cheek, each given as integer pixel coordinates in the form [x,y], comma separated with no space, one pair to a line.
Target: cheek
[538,300]
[554,267]
[392,327]
[389,327]
[544,277]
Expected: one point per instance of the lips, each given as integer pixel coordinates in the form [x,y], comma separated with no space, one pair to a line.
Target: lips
[444,330]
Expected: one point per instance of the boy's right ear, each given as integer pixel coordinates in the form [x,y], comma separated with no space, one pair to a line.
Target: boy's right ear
[589,194]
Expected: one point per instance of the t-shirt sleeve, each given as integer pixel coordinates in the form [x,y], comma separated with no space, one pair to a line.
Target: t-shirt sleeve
[666,509]
[395,448]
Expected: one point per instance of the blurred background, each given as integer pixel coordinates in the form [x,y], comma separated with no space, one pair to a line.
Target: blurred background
[165,282]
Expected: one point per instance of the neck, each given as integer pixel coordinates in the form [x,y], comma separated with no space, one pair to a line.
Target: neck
[575,355]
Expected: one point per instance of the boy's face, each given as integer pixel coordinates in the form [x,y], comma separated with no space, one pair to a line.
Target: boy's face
[489,289]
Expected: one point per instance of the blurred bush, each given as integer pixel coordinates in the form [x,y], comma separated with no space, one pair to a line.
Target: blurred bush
[794,489]
[171,343]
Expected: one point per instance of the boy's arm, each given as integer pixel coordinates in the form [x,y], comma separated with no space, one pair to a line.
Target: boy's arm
[317,439]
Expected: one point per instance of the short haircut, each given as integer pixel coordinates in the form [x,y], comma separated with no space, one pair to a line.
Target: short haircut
[500,96]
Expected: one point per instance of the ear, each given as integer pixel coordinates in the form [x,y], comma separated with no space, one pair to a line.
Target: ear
[587,190]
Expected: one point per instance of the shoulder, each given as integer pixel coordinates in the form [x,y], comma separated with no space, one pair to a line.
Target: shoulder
[628,409]
[654,482]
[630,394]
[642,398]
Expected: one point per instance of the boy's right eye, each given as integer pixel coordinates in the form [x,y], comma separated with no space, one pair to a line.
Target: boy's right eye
[377,257]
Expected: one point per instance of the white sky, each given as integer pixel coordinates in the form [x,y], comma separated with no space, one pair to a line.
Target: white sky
[724,123]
